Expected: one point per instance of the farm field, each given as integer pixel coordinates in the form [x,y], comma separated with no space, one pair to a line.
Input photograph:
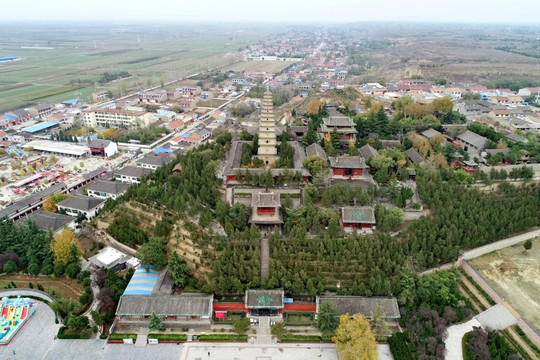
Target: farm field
[53,56]
[515,274]
[268,66]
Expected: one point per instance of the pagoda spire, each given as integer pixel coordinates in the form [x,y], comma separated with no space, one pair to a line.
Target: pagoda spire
[267,151]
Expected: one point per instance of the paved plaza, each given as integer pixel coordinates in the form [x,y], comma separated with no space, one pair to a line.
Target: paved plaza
[36,341]
[201,351]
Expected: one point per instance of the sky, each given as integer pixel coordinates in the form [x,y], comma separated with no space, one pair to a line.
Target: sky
[289,11]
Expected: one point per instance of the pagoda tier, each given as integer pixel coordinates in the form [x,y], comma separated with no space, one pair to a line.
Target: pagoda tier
[267,131]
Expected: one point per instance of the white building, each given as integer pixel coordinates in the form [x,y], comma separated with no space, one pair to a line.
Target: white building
[118,118]
[104,189]
[79,204]
[131,174]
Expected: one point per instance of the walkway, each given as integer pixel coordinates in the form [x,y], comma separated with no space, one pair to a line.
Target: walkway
[454,350]
[26,292]
[497,318]
[471,254]
[265,256]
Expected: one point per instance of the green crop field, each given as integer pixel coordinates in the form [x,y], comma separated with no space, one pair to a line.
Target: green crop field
[52,56]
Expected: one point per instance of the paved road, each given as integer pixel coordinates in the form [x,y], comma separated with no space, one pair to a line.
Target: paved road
[471,254]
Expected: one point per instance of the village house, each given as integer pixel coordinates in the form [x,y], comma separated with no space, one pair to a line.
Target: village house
[40,111]
[100,95]
[152,96]
[153,162]
[471,142]
[527,93]
[101,147]
[357,217]
[47,220]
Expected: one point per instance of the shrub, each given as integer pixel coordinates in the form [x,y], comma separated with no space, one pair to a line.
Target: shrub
[399,348]
[59,269]
[73,270]
[40,287]
[222,337]
[527,340]
[30,285]
[10,267]
[103,336]
[86,282]
[84,298]
[168,337]
[119,336]
[33,269]
[86,333]
[47,269]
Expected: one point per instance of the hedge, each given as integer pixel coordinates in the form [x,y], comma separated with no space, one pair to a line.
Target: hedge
[119,336]
[61,335]
[305,338]
[480,289]
[168,337]
[527,340]
[221,337]
[399,348]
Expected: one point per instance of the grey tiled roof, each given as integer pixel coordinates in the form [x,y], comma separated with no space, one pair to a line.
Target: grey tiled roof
[81,202]
[163,305]
[363,305]
[133,171]
[348,162]
[429,133]
[47,220]
[265,199]
[316,150]
[414,156]
[472,138]
[98,143]
[109,187]
[368,152]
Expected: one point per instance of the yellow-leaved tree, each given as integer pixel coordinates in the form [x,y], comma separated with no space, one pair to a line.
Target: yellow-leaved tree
[354,338]
[65,247]
[50,201]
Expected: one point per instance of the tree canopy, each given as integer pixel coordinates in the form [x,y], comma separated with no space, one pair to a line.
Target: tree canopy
[354,338]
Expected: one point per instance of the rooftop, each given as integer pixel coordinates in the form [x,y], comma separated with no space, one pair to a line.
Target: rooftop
[265,199]
[348,162]
[265,299]
[362,305]
[316,150]
[368,152]
[40,127]
[358,214]
[81,202]
[166,305]
[58,147]
[99,143]
[414,156]
[133,171]
[46,220]
[108,257]
[142,282]
[472,138]
[108,187]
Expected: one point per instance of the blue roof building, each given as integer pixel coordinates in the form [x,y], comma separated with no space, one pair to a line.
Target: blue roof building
[40,127]
[162,150]
[142,282]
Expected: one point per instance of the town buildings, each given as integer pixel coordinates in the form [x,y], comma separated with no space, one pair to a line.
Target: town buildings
[117,118]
